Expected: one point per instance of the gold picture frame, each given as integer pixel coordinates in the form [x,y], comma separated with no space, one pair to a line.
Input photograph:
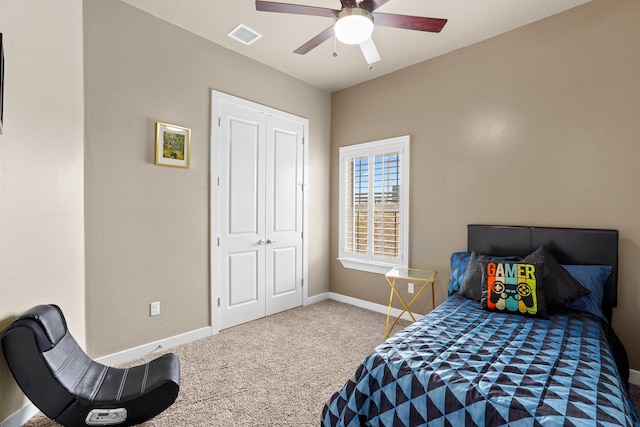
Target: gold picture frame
[173,145]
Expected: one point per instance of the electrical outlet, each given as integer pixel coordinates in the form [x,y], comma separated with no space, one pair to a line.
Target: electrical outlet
[410,288]
[154,308]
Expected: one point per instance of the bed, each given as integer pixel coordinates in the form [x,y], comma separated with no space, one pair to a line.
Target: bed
[551,358]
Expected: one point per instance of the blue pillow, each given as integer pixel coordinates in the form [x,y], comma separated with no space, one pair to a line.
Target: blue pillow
[459,263]
[592,277]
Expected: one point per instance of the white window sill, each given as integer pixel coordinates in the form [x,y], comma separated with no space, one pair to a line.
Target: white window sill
[371,267]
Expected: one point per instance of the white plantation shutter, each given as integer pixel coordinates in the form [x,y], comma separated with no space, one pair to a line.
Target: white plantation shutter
[373,205]
[357,213]
[386,209]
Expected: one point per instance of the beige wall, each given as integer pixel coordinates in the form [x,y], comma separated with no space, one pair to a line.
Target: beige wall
[538,126]
[559,98]
[147,226]
[41,185]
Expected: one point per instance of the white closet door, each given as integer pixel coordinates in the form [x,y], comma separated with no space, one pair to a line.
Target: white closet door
[242,214]
[284,214]
[260,213]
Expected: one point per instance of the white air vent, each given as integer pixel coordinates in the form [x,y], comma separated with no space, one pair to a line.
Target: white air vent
[244,34]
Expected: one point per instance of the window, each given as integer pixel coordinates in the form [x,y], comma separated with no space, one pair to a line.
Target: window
[374,207]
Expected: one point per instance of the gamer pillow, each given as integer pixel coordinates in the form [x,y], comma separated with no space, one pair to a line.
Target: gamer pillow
[559,286]
[513,287]
[471,284]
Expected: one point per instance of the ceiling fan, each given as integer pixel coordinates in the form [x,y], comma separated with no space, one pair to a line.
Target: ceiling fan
[354,23]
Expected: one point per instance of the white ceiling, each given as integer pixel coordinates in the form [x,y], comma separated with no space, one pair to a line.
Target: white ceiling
[470,21]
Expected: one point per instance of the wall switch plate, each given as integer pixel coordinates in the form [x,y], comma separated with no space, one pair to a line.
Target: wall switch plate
[410,288]
[154,308]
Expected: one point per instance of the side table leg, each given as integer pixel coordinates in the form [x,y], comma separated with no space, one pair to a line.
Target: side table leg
[433,295]
[392,283]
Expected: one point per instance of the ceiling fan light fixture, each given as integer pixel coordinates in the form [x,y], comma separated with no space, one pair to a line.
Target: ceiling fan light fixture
[354,25]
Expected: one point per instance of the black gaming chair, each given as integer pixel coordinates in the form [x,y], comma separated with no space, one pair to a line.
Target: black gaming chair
[74,390]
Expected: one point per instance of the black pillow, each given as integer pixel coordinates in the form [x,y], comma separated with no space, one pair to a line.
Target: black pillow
[470,287]
[559,286]
[513,287]
[472,284]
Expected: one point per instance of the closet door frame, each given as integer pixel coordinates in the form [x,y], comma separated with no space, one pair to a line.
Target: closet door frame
[216,217]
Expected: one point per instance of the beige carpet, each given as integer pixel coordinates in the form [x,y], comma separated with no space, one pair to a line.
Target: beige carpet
[276,371]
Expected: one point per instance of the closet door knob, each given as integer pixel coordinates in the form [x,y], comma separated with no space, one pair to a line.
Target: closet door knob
[261,242]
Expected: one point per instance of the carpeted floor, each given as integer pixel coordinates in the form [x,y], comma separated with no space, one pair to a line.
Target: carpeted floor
[276,371]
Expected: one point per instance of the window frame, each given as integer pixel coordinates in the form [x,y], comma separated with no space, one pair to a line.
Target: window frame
[370,262]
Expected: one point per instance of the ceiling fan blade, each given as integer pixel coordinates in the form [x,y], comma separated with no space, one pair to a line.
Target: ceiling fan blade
[267,6]
[407,22]
[370,51]
[372,5]
[315,42]
[348,3]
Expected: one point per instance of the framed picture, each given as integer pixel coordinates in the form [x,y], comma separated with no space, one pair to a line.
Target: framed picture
[173,145]
[1,82]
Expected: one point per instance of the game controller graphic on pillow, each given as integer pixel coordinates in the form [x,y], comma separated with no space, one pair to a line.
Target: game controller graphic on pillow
[508,296]
[511,287]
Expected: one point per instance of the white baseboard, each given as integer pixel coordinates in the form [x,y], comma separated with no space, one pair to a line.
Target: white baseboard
[316,298]
[143,350]
[379,308]
[21,416]
[634,377]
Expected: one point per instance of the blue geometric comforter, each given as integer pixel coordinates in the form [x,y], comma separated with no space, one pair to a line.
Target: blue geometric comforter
[463,366]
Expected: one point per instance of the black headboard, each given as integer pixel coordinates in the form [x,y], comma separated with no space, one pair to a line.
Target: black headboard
[578,246]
